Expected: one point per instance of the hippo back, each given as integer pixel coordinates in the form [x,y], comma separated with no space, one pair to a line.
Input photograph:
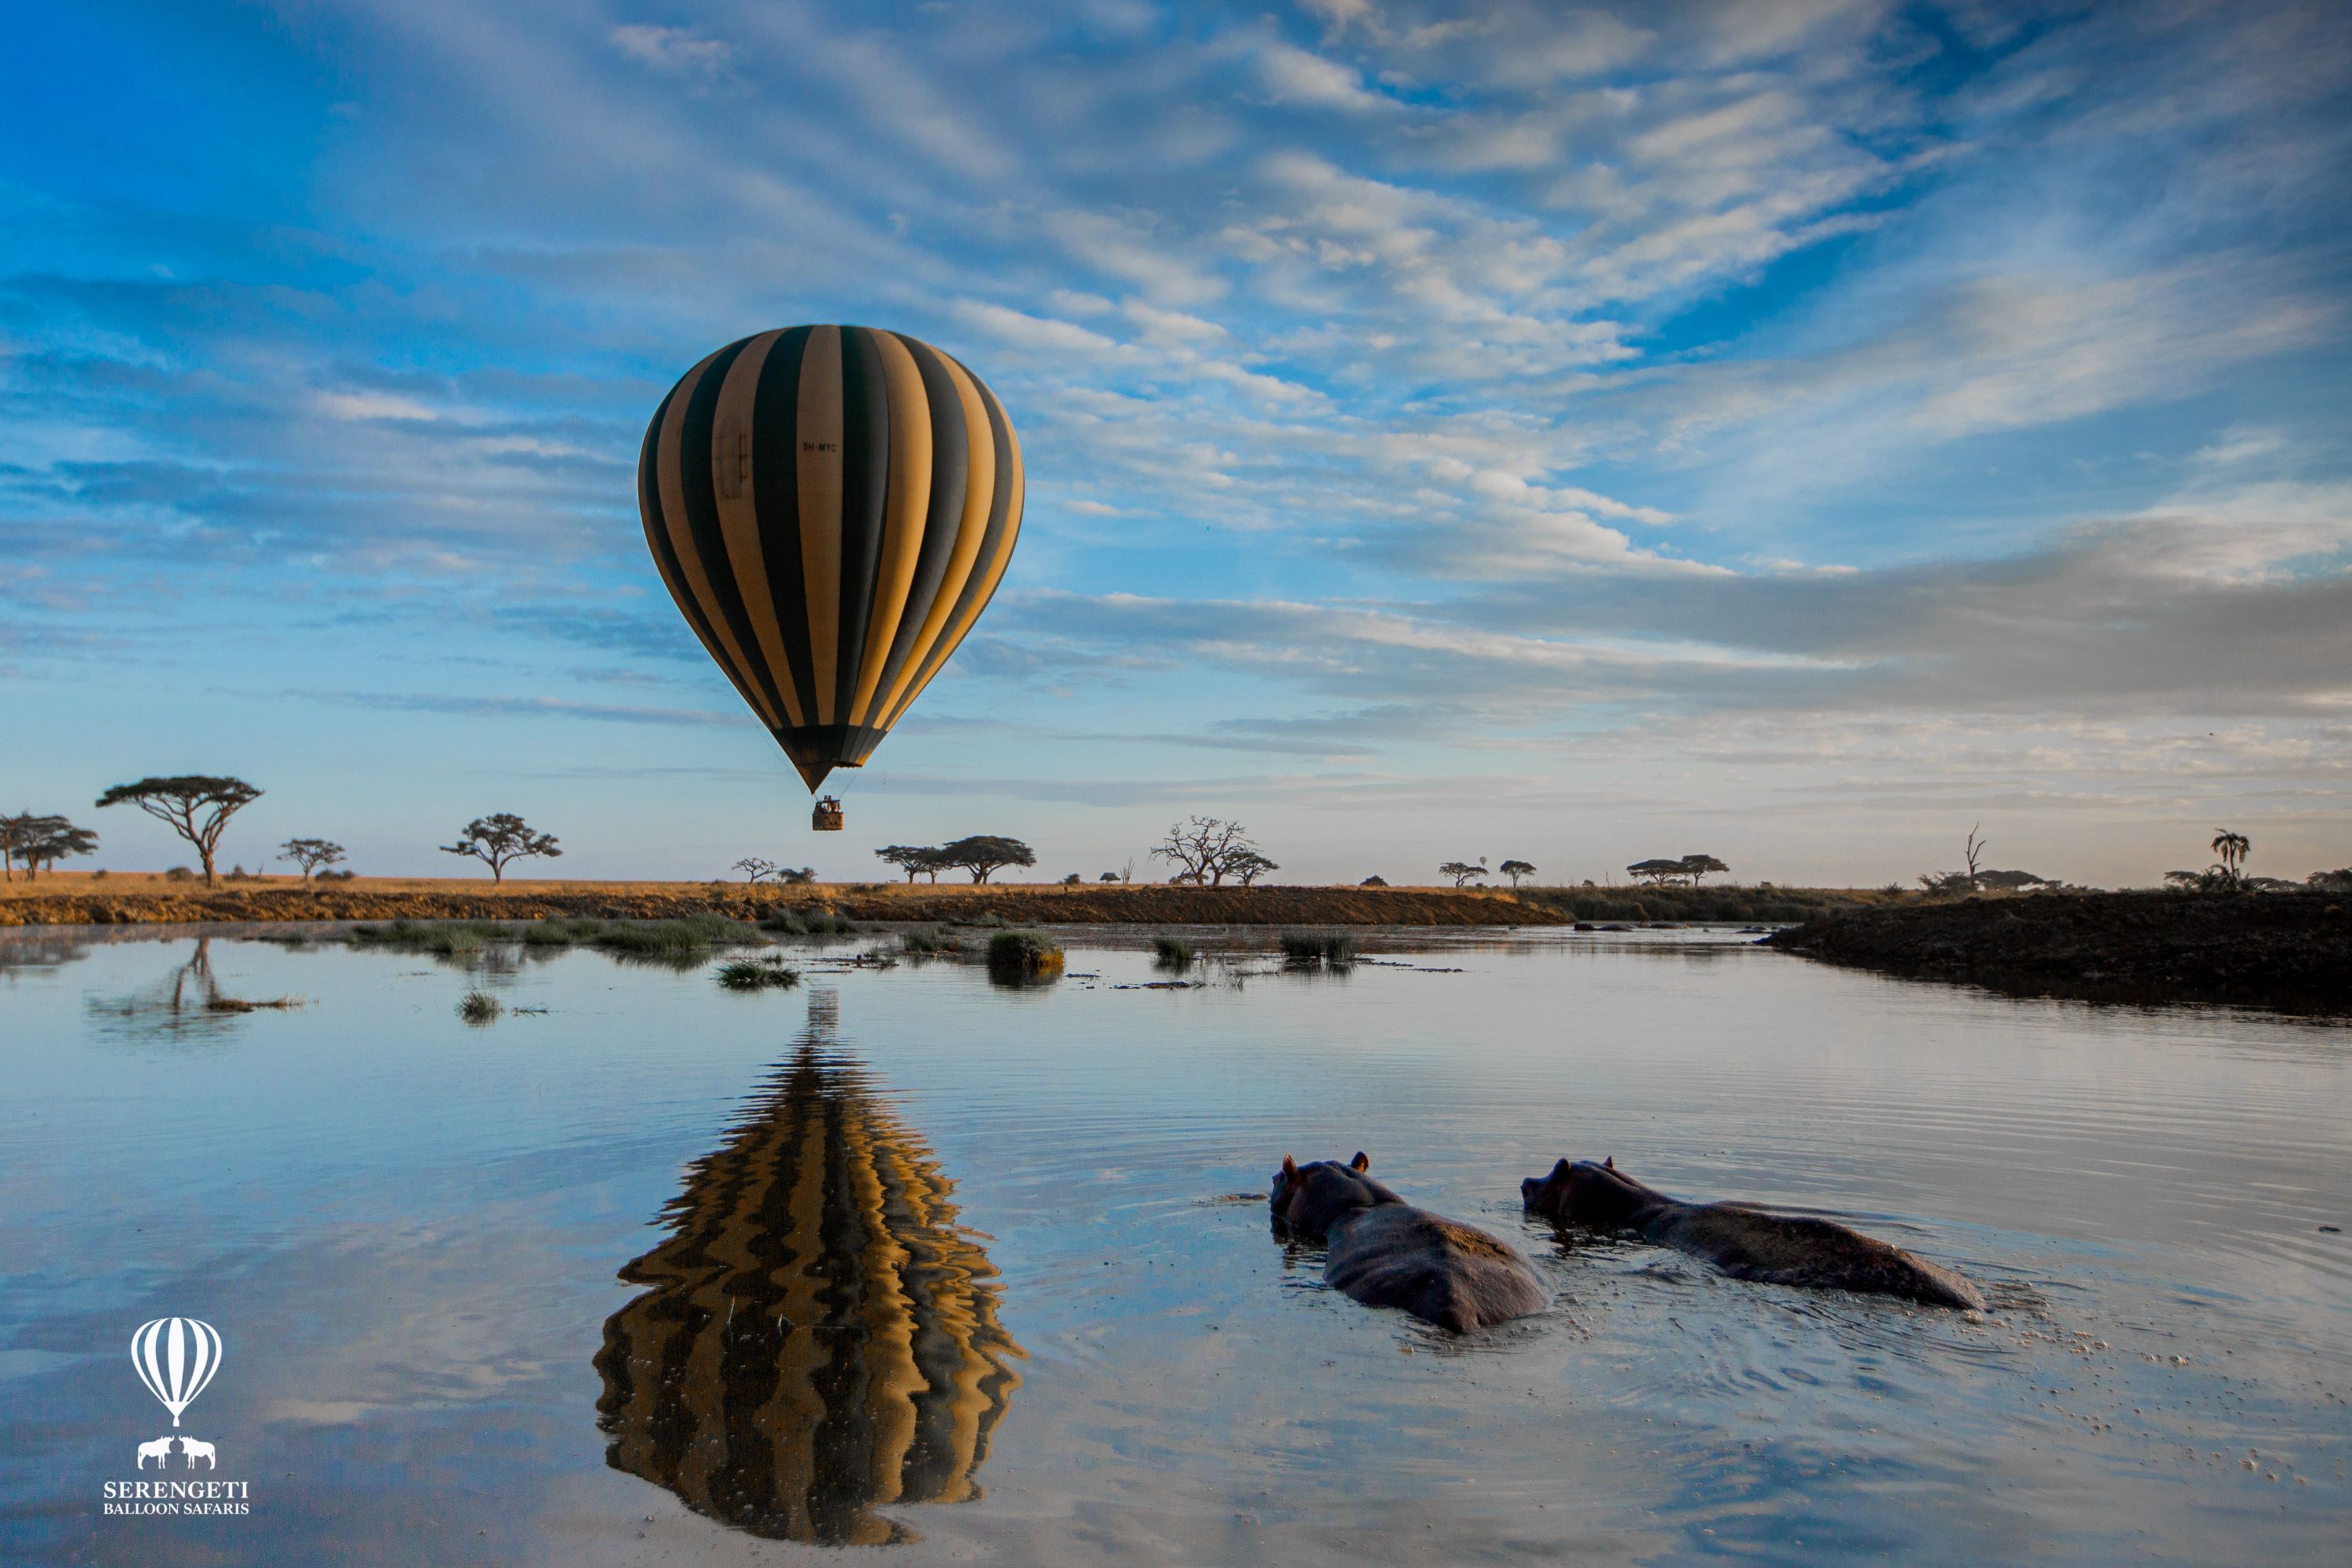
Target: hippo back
[1450,1274]
[1793,1250]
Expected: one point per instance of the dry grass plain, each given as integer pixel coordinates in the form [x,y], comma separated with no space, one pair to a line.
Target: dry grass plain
[120,898]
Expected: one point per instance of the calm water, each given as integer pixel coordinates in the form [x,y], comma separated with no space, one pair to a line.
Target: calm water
[664,1274]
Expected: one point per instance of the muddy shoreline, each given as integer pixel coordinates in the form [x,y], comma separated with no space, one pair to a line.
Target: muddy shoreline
[2287,951]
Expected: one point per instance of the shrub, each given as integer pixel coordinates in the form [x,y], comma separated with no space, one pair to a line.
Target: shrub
[179,874]
[1072,881]
[479,1008]
[1373,882]
[770,974]
[344,876]
[99,875]
[1018,956]
[1172,952]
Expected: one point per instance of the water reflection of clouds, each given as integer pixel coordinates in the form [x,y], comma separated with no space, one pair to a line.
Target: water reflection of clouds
[821,1336]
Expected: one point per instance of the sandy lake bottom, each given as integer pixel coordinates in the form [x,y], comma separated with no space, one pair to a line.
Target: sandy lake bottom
[668,1274]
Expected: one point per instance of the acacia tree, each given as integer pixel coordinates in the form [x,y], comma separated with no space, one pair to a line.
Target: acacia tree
[985,852]
[15,832]
[1205,849]
[2233,849]
[197,807]
[310,854]
[41,841]
[497,839]
[910,859]
[1696,867]
[753,867]
[1248,865]
[1462,871]
[1515,869]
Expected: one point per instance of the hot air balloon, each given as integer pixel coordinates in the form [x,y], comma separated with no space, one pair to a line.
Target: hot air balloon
[831,508]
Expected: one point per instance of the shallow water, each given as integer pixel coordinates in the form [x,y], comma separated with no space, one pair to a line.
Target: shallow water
[911,1258]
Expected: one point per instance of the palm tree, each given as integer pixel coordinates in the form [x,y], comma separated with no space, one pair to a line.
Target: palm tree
[2233,849]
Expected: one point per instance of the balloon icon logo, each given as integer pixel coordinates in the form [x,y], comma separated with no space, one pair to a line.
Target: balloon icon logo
[175,1358]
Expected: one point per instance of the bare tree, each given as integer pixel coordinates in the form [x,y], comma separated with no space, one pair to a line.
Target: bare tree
[1515,869]
[1204,849]
[197,807]
[983,853]
[1461,870]
[753,869]
[2233,849]
[310,854]
[1972,852]
[497,839]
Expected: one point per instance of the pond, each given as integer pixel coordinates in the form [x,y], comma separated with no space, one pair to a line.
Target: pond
[669,1273]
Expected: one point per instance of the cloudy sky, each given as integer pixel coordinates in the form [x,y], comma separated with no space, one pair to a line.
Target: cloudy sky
[1789,431]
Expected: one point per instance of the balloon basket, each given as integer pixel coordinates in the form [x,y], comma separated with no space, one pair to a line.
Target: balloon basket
[825,818]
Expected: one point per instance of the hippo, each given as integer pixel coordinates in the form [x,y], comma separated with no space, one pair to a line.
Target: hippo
[1386,1253]
[1741,1240]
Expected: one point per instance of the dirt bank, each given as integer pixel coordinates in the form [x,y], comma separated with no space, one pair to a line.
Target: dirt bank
[2287,949]
[121,901]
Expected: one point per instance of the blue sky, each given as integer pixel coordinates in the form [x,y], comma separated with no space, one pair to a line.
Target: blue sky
[1789,431]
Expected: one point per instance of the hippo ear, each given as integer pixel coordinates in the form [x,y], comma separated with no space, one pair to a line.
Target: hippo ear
[1289,1167]
[1362,1162]
[1562,1169]
[1610,1164]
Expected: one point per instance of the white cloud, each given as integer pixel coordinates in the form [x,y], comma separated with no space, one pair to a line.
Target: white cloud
[675,49]
[1293,75]
[371,405]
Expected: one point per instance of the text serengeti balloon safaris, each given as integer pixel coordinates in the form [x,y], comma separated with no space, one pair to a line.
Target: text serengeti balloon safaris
[831,508]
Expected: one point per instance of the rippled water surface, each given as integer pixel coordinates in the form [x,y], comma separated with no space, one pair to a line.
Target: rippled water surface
[668,1274]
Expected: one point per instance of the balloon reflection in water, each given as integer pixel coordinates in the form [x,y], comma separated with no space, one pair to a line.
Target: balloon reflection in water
[821,1335]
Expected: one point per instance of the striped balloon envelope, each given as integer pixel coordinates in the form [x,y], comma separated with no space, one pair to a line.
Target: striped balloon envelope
[831,508]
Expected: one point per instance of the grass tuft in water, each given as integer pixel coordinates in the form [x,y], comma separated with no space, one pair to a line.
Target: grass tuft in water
[479,1008]
[1307,949]
[810,922]
[929,939]
[443,939]
[770,974]
[1172,952]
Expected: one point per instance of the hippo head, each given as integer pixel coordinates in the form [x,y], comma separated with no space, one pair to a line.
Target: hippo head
[1309,1199]
[1578,1192]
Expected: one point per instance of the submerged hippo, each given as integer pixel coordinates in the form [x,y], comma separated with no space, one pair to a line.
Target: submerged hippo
[1744,1242]
[1386,1253]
